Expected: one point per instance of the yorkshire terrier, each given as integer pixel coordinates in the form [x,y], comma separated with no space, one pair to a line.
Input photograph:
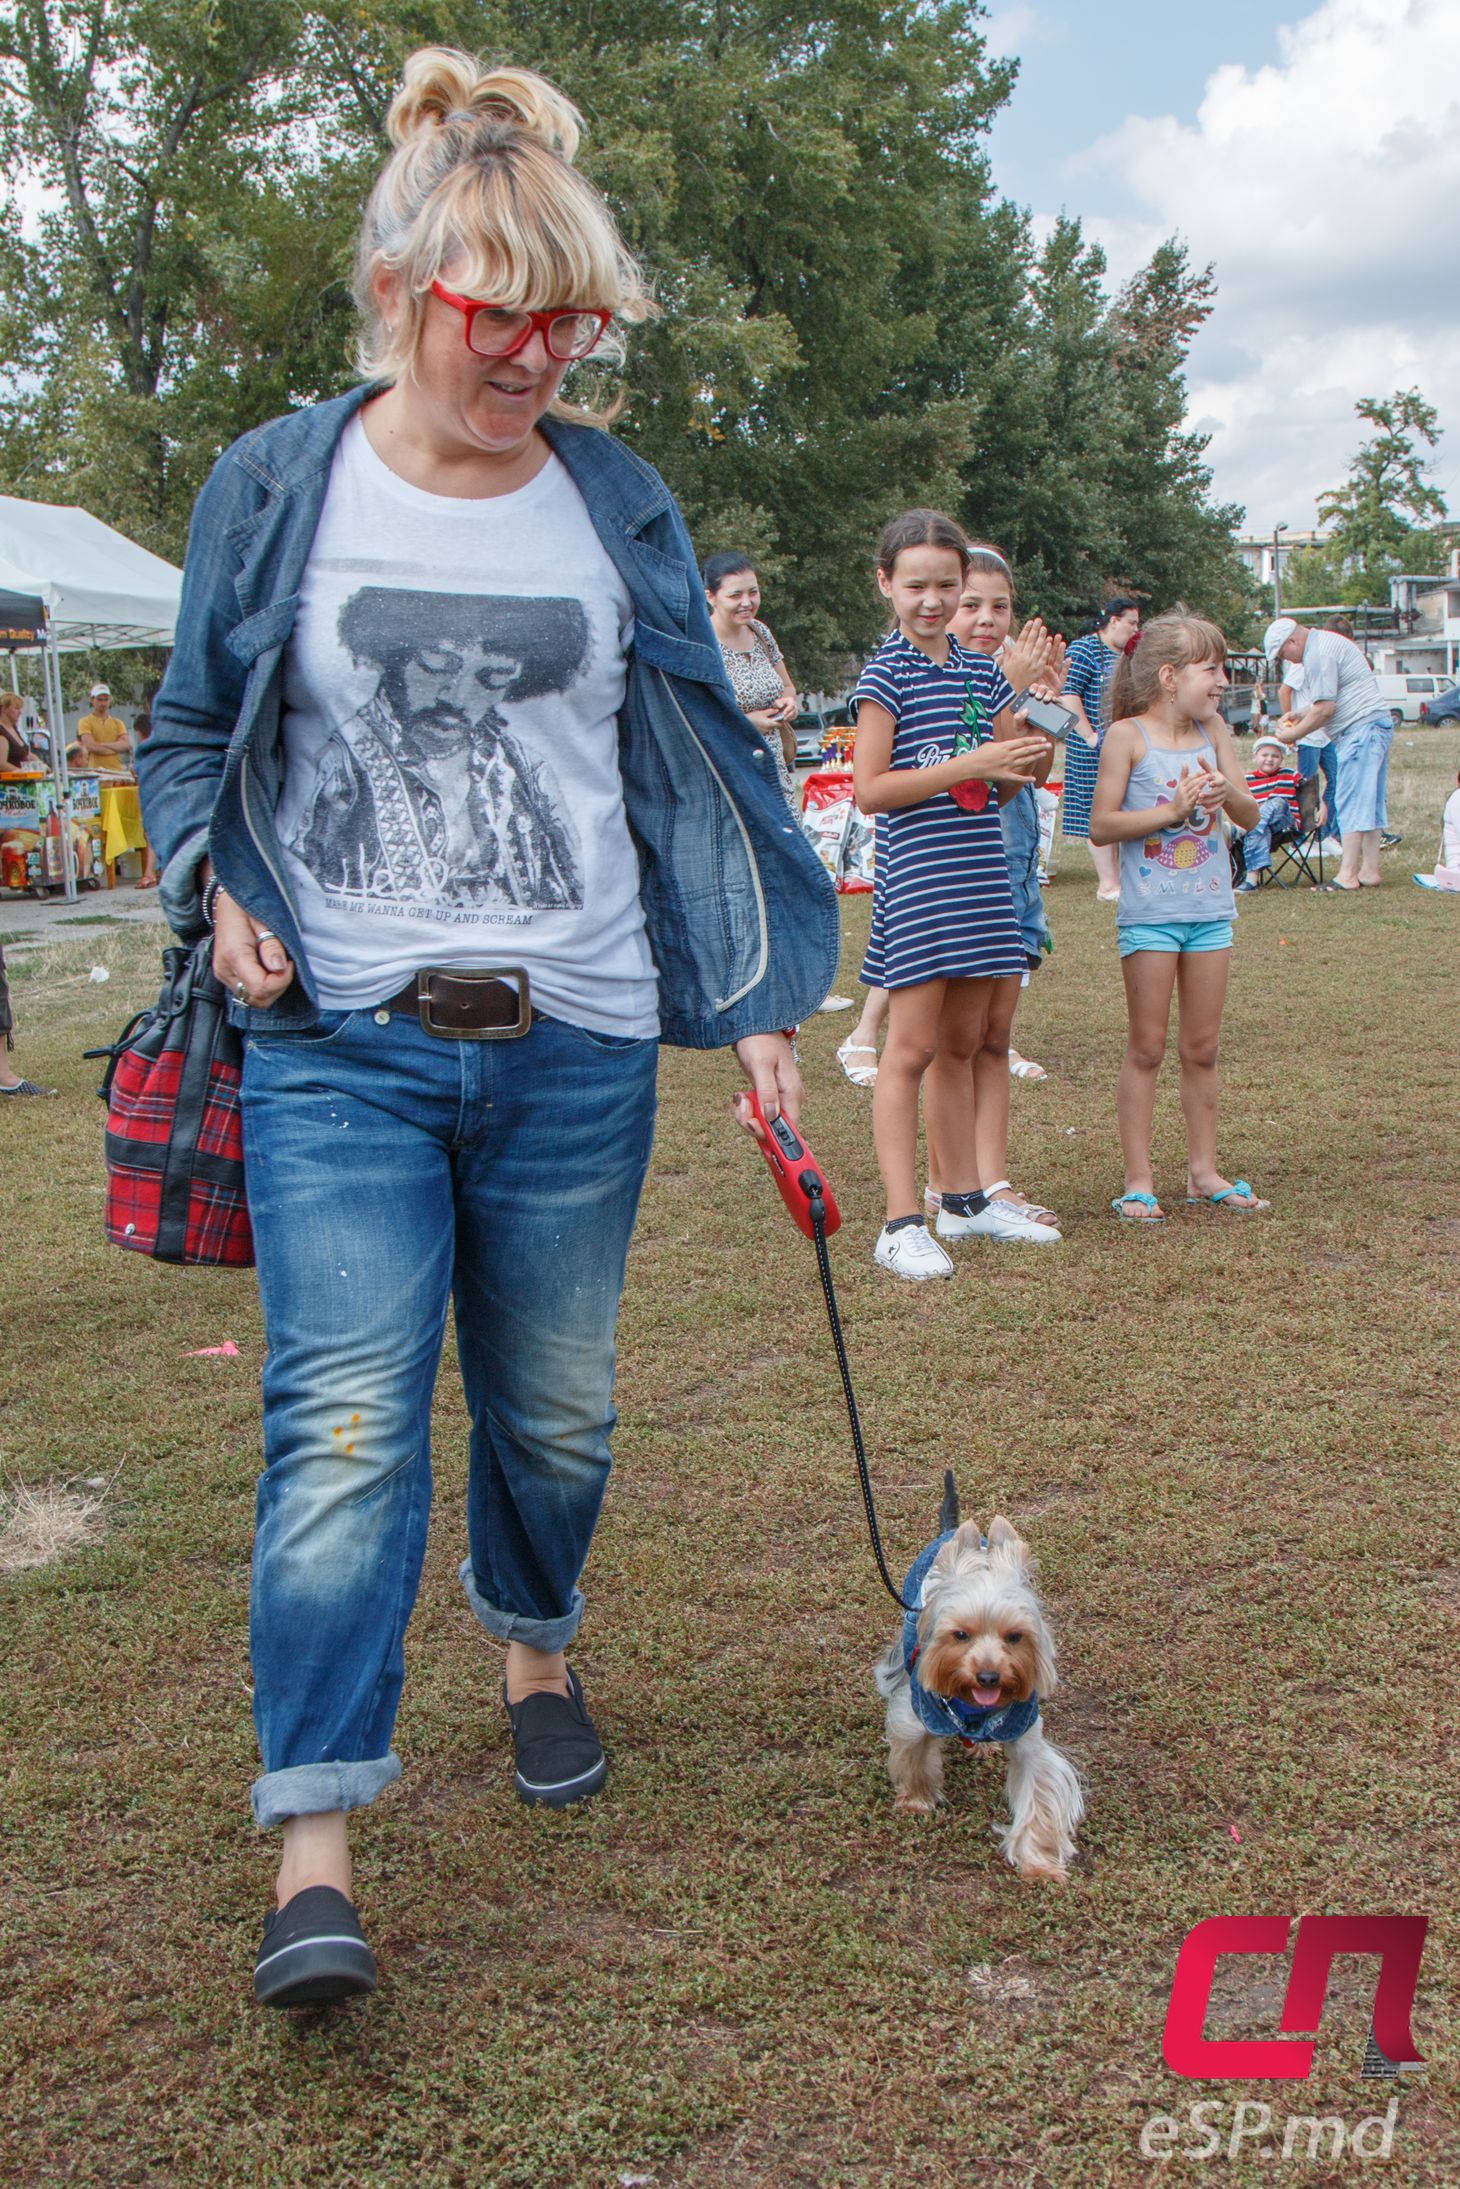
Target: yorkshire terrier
[974,1662]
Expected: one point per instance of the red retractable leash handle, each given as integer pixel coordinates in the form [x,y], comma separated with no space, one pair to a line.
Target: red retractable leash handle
[801,1179]
[804,1189]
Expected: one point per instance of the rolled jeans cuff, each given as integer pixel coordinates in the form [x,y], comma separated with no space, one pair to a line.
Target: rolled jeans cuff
[512,1626]
[314,1789]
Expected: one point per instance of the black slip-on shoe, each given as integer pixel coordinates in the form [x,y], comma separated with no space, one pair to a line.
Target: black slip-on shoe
[560,1758]
[313,1951]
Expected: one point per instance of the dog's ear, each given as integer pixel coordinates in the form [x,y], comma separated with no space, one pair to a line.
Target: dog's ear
[965,1542]
[1005,1541]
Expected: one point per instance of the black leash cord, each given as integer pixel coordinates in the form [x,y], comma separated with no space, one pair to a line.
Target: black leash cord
[823,1263]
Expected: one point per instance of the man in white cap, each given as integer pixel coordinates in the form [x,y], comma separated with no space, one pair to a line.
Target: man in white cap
[101,739]
[1273,782]
[1341,698]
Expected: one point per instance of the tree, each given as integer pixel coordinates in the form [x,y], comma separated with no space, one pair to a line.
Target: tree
[1378,517]
[854,321]
[149,128]
[1313,577]
[1081,468]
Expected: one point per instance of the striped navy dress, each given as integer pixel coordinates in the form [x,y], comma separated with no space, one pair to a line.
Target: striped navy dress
[1090,666]
[942,906]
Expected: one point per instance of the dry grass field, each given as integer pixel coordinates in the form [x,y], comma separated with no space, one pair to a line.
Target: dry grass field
[1232,1443]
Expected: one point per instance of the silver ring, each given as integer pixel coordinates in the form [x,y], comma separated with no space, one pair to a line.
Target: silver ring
[266,934]
[240,991]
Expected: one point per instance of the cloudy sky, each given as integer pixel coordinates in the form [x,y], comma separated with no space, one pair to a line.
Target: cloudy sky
[1313,156]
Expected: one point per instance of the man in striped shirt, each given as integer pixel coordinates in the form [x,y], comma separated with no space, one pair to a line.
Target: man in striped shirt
[1273,782]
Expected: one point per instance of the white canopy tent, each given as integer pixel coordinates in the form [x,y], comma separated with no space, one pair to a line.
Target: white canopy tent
[100,591]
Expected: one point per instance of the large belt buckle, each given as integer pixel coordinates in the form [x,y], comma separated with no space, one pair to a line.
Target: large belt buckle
[521,1025]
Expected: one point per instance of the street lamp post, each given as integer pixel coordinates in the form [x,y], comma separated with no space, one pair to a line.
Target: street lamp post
[1277,591]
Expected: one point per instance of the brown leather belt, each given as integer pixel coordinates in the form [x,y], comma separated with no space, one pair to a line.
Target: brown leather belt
[460,1005]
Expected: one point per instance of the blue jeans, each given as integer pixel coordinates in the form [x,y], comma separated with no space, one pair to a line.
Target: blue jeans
[1019,821]
[1363,773]
[391,1173]
[1273,814]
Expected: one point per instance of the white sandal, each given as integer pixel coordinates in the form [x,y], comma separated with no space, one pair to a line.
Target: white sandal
[1023,1067]
[1022,1203]
[860,1075]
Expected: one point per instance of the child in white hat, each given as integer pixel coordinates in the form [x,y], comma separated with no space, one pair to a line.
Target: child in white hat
[1273,782]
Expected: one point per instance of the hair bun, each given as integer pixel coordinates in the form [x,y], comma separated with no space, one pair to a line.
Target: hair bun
[441,85]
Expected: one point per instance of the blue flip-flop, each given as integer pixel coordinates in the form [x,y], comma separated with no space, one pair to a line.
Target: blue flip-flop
[1155,1214]
[1223,1198]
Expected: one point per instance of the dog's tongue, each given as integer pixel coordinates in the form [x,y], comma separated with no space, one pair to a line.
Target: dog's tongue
[985,1698]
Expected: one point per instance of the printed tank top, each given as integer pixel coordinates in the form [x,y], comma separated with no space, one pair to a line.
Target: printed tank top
[1180,873]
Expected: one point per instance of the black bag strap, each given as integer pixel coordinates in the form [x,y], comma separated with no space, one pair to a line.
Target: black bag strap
[147,1033]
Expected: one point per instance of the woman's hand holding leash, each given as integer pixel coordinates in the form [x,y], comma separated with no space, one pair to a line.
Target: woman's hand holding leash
[248,957]
[769,1063]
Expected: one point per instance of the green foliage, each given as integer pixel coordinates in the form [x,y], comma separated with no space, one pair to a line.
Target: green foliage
[853,320]
[1378,517]
[1314,577]
[1083,472]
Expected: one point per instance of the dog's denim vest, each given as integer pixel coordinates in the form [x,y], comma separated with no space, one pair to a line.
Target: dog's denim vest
[946,1716]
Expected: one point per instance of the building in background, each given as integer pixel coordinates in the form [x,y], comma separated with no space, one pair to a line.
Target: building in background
[1257,552]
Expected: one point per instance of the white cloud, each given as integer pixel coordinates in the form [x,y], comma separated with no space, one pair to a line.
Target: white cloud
[1326,190]
[1011,31]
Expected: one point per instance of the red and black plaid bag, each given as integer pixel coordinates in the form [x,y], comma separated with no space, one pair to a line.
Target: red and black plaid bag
[174,1140]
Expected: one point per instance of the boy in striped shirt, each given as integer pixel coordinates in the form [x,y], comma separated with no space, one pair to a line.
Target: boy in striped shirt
[1273,782]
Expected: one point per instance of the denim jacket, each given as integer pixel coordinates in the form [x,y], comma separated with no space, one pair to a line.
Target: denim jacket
[948,1717]
[740,914]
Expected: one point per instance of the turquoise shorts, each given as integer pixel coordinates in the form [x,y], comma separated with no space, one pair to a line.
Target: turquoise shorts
[1174,937]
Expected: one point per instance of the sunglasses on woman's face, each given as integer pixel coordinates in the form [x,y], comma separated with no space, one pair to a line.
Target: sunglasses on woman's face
[492,331]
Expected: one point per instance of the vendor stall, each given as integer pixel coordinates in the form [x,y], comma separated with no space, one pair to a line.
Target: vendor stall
[32,817]
[121,824]
[74,585]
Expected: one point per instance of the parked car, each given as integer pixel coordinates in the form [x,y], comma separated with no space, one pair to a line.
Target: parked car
[1444,707]
[1405,695]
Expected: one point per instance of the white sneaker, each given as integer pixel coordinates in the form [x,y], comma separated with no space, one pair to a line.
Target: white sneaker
[912,1252]
[997,1220]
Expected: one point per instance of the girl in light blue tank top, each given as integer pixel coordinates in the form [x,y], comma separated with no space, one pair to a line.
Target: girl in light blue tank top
[1168,772]
[1180,872]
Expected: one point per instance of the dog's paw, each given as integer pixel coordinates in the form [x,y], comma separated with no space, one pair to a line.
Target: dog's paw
[921,1805]
[1046,1873]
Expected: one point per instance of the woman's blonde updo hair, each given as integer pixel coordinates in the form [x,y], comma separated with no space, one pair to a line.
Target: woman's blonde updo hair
[481,186]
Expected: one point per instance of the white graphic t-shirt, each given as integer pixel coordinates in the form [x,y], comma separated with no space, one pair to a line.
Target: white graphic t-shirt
[452,792]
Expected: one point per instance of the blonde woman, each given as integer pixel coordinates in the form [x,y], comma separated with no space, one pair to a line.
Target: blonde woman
[447,755]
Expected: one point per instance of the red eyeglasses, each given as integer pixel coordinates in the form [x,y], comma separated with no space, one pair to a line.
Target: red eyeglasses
[493,332]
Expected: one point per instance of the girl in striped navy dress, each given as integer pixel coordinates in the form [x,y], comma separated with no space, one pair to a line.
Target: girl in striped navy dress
[934,736]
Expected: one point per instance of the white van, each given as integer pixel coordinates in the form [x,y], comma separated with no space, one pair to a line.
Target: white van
[1403,695]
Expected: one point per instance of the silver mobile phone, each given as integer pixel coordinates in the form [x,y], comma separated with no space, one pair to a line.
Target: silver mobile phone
[1043,714]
